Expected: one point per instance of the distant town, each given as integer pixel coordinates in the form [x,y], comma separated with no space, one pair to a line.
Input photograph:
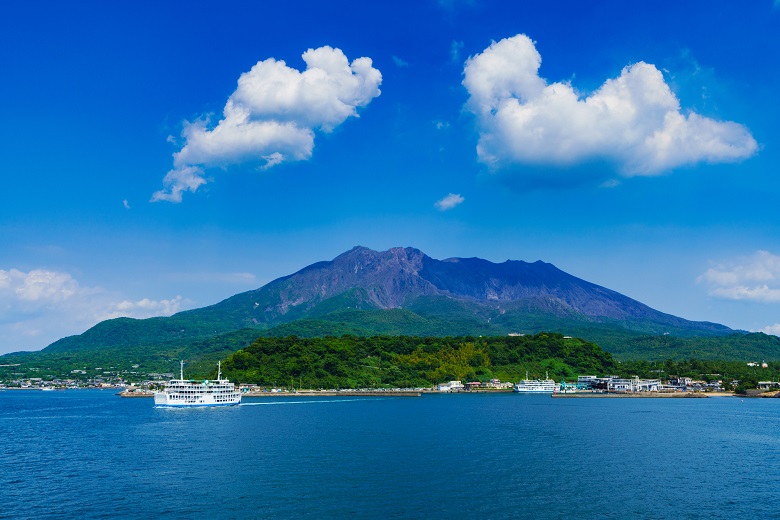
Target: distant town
[134,383]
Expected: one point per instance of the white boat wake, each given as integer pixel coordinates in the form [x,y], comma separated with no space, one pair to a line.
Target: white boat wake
[309,401]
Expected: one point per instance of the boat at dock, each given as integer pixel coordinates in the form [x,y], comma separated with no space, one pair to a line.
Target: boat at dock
[183,393]
[535,386]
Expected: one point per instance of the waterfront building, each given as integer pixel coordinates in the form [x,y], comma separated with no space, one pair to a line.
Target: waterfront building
[633,385]
[452,386]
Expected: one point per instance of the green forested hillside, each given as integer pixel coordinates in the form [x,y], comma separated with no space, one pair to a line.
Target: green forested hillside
[200,355]
[158,347]
[406,361]
[620,341]
[734,347]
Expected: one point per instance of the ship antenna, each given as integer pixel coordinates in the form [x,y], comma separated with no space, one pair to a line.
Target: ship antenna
[219,370]
[181,370]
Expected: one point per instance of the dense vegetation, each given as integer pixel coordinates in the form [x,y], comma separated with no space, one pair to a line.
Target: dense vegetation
[621,342]
[132,363]
[407,361]
[359,360]
[739,346]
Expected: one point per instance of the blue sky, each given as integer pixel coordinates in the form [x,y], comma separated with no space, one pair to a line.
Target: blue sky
[164,156]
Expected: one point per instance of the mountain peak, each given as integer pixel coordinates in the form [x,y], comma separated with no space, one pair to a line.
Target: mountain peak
[440,297]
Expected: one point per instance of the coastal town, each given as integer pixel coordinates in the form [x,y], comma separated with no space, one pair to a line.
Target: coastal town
[129,384]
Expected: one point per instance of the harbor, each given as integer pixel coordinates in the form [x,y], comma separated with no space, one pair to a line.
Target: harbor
[586,386]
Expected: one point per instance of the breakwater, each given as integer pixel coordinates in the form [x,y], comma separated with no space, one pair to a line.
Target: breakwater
[339,393]
[135,394]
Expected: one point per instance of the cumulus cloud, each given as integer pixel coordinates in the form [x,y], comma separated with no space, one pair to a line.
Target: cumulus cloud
[772,329]
[633,121]
[40,306]
[272,116]
[179,180]
[145,308]
[449,202]
[38,286]
[755,278]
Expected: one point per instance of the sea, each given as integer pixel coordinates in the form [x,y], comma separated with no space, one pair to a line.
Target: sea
[91,454]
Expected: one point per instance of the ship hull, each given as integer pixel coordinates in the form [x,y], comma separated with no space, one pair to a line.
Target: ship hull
[535,387]
[193,405]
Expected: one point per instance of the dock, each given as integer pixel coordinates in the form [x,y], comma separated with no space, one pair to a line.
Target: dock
[136,394]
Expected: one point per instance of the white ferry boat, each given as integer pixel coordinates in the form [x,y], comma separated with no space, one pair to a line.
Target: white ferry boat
[535,386]
[188,393]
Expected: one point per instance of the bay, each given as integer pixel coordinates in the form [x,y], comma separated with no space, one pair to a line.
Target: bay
[91,454]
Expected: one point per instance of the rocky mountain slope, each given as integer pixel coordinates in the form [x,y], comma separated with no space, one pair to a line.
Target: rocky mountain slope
[403,291]
[407,278]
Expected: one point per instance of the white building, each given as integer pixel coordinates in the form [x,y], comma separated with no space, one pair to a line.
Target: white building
[633,385]
[452,386]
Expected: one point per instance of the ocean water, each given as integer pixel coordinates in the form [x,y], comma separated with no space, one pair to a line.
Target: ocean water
[91,454]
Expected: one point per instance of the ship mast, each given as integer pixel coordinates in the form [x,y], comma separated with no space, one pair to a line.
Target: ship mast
[181,370]
[219,370]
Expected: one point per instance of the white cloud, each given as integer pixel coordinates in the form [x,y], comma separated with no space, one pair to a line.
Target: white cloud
[176,181]
[126,204]
[755,278]
[272,116]
[772,329]
[399,62]
[36,286]
[40,306]
[145,308]
[633,121]
[449,202]
[272,160]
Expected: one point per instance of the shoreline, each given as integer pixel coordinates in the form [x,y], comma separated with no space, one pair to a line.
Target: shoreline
[419,393]
[336,393]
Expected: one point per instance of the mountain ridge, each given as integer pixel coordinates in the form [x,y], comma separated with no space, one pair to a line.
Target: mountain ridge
[395,277]
[362,291]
